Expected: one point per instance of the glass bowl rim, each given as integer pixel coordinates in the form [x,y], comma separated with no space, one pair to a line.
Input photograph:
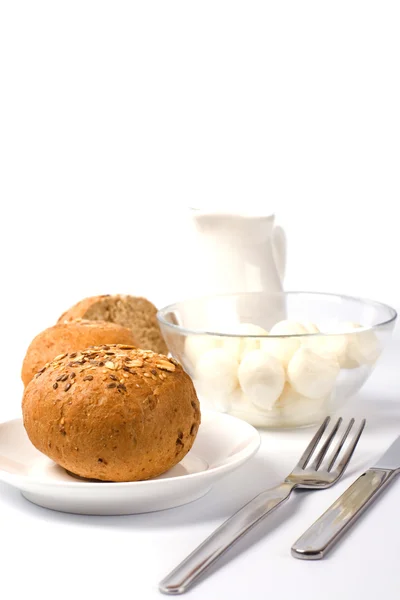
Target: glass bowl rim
[365,301]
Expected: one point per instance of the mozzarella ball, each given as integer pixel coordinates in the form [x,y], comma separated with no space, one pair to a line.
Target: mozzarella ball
[261,377]
[310,327]
[335,345]
[196,345]
[296,409]
[238,400]
[312,374]
[363,346]
[238,346]
[243,408]
[216,374]
[283,348]
[351,350]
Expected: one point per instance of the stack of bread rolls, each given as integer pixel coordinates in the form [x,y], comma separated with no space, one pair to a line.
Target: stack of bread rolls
[102,399]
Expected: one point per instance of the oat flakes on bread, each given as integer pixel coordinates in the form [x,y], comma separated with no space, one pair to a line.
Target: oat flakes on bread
[138,314]
[113,413]
[69,337]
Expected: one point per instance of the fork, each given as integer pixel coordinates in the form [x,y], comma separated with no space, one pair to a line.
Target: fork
[303,476]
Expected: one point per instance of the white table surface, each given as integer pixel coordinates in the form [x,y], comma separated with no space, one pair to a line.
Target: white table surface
[113,117]
[77,556]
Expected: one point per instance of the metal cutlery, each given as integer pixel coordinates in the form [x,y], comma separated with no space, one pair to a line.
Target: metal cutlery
[321,473]
[326,531]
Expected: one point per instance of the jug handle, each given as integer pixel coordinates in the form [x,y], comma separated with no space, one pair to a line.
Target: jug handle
[279,247]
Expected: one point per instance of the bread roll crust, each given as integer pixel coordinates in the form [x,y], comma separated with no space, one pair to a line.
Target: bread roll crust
[69,337]
[136,313]
[78,310]
[112,413]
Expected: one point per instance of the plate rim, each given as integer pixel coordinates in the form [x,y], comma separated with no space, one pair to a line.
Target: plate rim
[241,456]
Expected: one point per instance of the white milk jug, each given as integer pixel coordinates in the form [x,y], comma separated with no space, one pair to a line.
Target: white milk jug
[238,252]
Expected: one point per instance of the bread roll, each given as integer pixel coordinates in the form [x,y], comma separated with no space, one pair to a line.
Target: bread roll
[138,314]
[112,413]
[69,337]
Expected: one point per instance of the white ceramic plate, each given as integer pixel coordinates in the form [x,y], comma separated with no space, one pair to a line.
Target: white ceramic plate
[223,443]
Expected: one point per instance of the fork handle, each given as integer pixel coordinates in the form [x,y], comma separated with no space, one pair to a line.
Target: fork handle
[325,532]
[179,580]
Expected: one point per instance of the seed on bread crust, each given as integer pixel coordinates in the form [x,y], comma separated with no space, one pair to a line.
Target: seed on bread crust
[166,366]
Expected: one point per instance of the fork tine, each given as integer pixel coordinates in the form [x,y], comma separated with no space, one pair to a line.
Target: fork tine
[305,457]
[321,454]
[349,452]
[339,445]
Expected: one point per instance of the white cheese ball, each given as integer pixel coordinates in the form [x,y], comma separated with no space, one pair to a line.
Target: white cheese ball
[283,348]
[296,409]
[351,350]
[261,377]
[216,376]
[238,401]
[312,374]
[310,327]
[337,345]
[238,346]
[330,344]
[243,408]
[315,342]
[363,347]
[196,345]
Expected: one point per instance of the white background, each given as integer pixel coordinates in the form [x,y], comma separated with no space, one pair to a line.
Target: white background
[115,116]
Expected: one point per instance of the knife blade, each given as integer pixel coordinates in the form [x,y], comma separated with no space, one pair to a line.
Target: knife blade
[327,530]
[391,458]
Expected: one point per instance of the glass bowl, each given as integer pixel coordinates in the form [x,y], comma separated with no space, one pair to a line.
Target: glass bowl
[277,360]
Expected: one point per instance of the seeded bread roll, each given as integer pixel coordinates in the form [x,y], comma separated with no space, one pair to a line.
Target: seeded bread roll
[138,314]
[112,413]
[69,337]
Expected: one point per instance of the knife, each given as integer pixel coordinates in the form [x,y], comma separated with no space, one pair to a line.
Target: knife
[326,531]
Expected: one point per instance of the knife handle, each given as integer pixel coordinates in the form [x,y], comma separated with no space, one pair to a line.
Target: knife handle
[182,577]
[326,531]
